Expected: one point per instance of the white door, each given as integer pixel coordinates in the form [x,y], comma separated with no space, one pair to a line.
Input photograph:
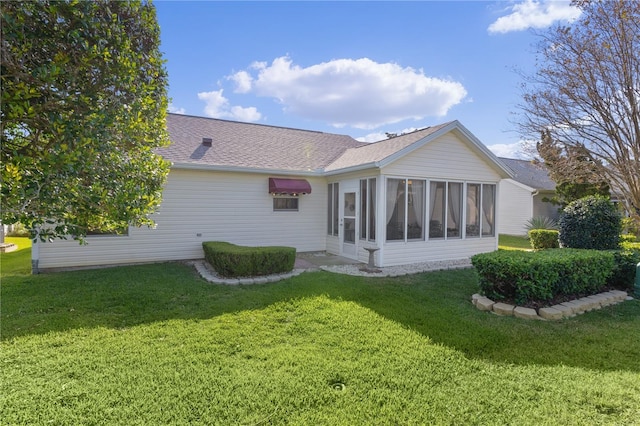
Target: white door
[349,223]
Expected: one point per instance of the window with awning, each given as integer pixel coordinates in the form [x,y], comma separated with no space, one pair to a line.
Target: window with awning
[293,187]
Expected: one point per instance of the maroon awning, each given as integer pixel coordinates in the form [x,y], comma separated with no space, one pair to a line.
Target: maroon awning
[289,186]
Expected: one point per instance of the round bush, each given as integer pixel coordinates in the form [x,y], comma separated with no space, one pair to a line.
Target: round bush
[591,222]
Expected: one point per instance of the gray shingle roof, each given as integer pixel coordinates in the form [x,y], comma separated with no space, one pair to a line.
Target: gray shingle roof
[237,145]
[253,146]
[378,151]
[527,173]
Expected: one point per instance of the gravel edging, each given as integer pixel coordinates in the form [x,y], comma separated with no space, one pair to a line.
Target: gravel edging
[397,271]
[203,268]
[555,312]
[206,272]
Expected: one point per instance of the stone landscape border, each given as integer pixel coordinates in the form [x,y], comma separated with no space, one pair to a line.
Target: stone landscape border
[210,275]
[555,312]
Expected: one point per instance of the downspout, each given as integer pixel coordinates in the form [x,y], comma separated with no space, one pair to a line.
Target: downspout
[533,194]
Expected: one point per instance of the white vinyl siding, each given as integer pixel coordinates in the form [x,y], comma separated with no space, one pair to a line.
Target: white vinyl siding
[543,208]
[515,207]
[434,250]
[446,159]
[203,206]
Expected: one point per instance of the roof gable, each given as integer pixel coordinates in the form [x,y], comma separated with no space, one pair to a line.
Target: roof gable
[380,154]
[374,153]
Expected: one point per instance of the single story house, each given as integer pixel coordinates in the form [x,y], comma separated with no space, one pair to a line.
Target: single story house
[521,197]
[431,194]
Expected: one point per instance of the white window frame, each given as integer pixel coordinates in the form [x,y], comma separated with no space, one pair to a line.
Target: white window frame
[406,180]
[286,209]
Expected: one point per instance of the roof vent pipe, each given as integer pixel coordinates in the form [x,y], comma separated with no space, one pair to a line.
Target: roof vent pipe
[207,141]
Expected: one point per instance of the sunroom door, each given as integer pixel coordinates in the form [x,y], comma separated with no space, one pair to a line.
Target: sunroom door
[349,223]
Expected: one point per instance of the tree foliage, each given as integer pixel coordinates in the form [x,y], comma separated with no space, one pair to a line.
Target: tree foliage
[573,171]
[592,222]
[83,109]
[585,97]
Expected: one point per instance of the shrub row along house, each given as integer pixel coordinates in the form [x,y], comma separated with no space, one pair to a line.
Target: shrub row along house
[427,195]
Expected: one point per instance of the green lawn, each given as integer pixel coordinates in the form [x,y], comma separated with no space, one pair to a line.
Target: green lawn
[19,261]
[155,344]
[513,242]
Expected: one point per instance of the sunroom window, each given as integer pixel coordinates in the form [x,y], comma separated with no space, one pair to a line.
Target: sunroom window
[473,210]
[368,209]
[437,206]
[405,209]
[481,208]
[454,210]
[488,210]
[333,195]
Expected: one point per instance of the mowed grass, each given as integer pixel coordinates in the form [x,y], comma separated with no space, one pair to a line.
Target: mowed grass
[155,344]
[513,242]
[18,261]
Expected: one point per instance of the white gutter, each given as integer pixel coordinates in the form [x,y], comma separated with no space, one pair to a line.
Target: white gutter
[374,164]
[311,173]
[193,166]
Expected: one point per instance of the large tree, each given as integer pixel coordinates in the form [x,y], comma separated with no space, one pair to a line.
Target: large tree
[84,104]
[585,95]
[573,171]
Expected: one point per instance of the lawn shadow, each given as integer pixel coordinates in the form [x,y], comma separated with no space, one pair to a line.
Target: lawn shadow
[436,305]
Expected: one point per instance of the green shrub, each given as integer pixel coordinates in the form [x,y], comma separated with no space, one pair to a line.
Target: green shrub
[627,238]
[629,246]
[538,277]
[18,230]
[541,222]
[543,239]
[631,225]
[591,222]
[624,271]
[230,260]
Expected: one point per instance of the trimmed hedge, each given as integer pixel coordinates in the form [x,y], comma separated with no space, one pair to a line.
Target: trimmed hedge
[543,239]
[230,260]
[624,272]
[539,277]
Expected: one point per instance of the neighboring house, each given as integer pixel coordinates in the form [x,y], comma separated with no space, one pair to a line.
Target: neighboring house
[521,197]
[427,195]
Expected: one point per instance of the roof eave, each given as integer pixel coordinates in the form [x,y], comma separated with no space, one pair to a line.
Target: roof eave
[522,185]
[351,169]
[218,168]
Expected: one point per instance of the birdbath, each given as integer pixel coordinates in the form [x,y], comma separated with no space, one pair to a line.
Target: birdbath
[371,251]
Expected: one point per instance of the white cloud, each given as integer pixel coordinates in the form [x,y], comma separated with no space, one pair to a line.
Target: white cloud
[513,150]
[535,14]
[249,114]
[379,136]
[174,109]
[372,137]
[359,93]
[243,81]
[217,106]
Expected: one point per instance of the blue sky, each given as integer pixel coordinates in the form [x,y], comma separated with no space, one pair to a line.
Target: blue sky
[357,68]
